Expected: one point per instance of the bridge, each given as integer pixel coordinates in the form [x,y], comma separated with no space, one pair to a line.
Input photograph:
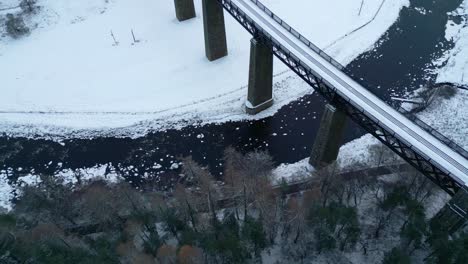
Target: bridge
[430,154]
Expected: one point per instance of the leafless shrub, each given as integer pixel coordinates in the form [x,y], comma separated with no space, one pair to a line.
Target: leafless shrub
[15,26]
[28,6]
[447,92]
[381,154]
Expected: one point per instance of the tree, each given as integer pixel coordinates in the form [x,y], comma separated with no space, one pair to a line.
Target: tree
[222,242]
[237,178]
[28,6]
[421,187]
[414,228]
[50,201]
[335,224]
[295,219]
[186,205]
[7,235]
[382,155]
[387,198]
[396,256]
[252,230]
[98,203]
[236,182]
[189,255]
[47,243]
[166,254]
[15,26]
[297,236]
[447,249]
[328,186]
[267,204]
[245,176]
[202,178]
[324,239]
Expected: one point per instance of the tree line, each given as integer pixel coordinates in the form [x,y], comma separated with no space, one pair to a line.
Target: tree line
[97,222]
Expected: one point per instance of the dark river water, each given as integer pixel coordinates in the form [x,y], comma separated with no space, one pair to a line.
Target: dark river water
[397,65]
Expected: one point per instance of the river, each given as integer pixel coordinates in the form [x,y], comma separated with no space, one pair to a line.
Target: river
[398,64]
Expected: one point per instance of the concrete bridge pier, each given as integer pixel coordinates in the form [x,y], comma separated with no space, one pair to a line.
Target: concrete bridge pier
[454,214]
[214,28]
[260,93]
[185,9]
[328,140]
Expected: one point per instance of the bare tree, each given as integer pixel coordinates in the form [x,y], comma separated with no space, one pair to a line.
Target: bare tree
[381,154]
[190,255]
[49,201]
[167,254]
[202,179]
[237,179]
[267,203]
[186,205]
[328,182]
[28,6]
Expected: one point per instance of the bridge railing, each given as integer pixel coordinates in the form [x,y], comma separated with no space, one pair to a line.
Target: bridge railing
[434,170]
[457,148]
[335,63]
[298,35]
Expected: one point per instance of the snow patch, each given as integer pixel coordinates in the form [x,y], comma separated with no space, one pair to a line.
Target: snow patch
[292,172]
[6,193]
[8,190]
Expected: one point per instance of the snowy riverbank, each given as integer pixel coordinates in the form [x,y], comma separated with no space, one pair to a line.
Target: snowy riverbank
[67,79]
[450,116]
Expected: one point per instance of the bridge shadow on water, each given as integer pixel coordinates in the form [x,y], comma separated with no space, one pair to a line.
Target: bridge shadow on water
[398,64]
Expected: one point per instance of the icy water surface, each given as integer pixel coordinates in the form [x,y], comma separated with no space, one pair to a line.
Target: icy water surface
[398,64]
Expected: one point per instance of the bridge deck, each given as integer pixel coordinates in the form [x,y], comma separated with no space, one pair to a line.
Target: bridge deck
[405,130]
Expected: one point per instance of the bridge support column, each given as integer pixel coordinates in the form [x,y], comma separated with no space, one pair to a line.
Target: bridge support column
[215,31]
[328,140]
[454,214]
[260,94]
[185,9]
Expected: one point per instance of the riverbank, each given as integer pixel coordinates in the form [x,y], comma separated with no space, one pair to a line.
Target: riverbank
[450,116]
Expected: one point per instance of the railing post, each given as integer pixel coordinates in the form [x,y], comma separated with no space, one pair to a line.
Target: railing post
[328,140]
[260,93]
[214,29]
[185,9]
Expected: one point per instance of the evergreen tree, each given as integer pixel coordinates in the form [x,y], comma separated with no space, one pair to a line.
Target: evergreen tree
[253,231]
[396,256]
[335,224]
[414,229]
[448,250]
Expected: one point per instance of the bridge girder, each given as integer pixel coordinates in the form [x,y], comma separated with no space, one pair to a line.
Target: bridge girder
[403,149]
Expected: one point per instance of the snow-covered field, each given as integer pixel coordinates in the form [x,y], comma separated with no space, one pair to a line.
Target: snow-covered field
[68,78]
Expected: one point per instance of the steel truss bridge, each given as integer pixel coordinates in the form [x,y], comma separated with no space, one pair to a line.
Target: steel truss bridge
[430,154]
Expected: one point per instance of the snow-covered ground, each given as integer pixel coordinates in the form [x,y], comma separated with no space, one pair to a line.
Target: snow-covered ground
[361,153]
[68,78]
[450,116]
[292,172]
[456,60]
[6,193]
